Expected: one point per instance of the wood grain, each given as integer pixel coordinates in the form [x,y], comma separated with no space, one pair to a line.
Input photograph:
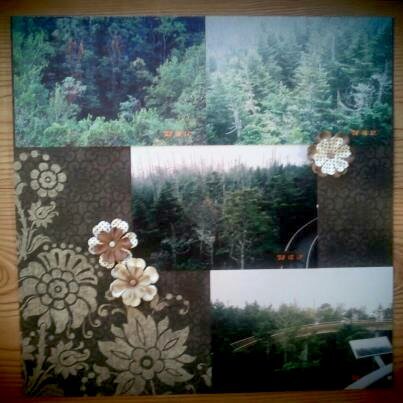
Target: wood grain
[10,360]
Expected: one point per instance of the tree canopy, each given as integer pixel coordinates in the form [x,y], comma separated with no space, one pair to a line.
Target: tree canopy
[203,218]
[107,80]
[288,362]
[284,80]
[128,80]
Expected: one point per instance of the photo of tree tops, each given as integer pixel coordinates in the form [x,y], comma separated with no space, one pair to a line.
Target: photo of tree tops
[224,207]
[142,81]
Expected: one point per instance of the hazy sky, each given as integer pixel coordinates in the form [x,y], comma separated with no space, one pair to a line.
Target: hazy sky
[241,32]
[226,34]
[351,287]
[145,160]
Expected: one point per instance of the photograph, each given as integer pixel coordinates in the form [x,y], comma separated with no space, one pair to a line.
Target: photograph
[224,207]
[108,81]
[215,80]
[301,329]
[283,80]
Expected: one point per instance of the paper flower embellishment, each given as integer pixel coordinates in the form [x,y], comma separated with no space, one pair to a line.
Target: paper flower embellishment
[112,242]
[134,282]
[331,155]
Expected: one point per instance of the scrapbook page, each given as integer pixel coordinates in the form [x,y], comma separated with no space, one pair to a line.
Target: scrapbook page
[203,204]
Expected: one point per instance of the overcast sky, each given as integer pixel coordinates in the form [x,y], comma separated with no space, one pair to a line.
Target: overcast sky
[226,34]
[351,287]
[145,160]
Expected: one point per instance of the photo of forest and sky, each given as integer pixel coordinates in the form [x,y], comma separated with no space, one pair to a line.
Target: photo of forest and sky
[122,81]
[283,80]
[290,329]
[221,207]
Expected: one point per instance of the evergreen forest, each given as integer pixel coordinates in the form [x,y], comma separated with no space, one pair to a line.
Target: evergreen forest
[203,218]
[118,81]
[256,348]
[107,81]
[283,80]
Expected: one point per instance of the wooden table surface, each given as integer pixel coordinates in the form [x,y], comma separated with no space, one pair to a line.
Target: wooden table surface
[10,359]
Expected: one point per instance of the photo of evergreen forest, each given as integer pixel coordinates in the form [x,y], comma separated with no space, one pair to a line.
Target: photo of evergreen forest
[221,207]
[138,81]
[108,81]
[283,80]
[287,334]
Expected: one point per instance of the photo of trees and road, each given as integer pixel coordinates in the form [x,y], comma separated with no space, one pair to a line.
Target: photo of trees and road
[108,81]
[223,207]
[293,330]
[126,81]
[283,80]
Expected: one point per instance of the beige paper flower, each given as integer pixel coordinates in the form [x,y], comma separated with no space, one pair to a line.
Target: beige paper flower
[331,155]
[134,281]
[112,242]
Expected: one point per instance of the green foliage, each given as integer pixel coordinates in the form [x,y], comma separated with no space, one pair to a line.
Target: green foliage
[125,81]
[246,224]
[178,92]
[278,359]
[30,55]
[300,79]
[202,218]
[81,81]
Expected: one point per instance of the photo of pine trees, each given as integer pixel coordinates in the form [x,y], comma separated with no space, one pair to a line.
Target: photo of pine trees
[283,80]
[108,81]
[222,207]
[142,81]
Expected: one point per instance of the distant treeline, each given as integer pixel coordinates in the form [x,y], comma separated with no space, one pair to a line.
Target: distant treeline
[205,219]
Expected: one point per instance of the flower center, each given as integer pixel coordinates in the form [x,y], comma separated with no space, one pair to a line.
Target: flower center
[146,362]
[331,155]
[112,244]
[48,179]
[57,289]
[133,282]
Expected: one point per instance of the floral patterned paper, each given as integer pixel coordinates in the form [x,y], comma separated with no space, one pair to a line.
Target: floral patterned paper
[76,338]
[355,212]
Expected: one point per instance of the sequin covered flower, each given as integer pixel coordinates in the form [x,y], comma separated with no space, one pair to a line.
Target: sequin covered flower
[134,282]
[112,242]
[331,155]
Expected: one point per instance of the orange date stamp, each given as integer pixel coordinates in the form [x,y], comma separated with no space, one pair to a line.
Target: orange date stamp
[289,257]
[365,133]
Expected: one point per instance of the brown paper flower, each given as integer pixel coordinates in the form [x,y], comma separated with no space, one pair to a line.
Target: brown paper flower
[330,155]
[134,281]
[112,242]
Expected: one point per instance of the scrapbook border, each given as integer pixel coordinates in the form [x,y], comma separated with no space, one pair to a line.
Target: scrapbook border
[9,339]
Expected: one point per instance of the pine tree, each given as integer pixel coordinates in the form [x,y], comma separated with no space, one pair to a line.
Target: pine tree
[245,223]
[313,96]
[171,223]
